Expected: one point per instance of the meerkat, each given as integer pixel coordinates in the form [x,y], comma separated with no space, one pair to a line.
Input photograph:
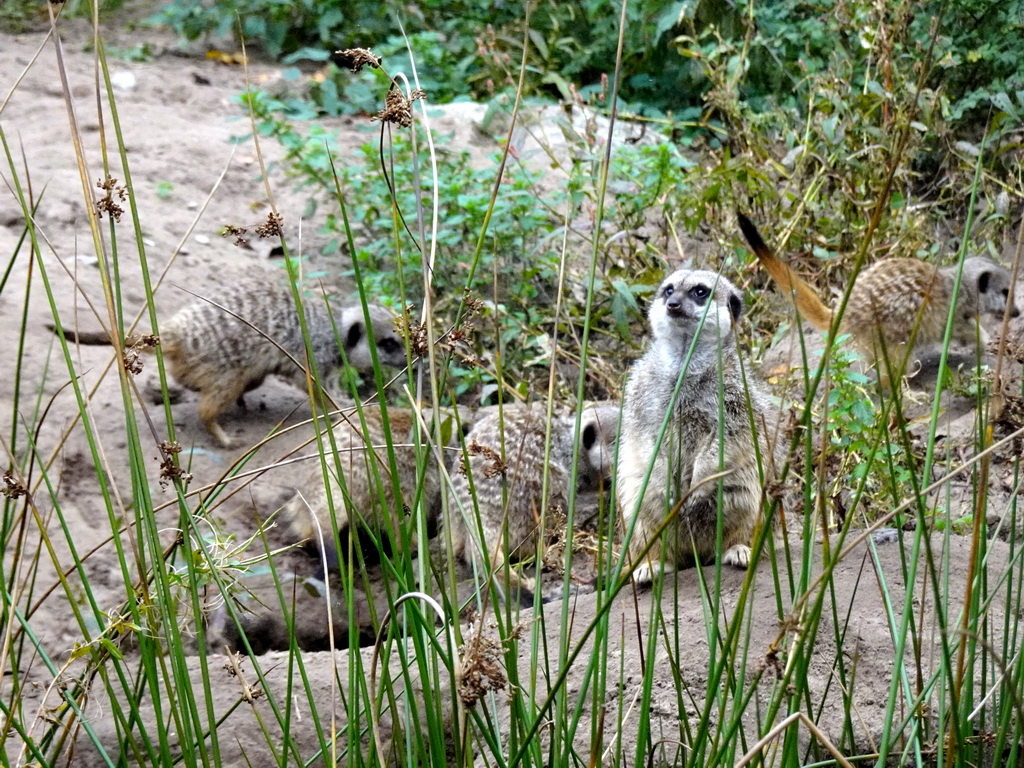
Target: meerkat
[363,494]
[598,428]
[227,347]
[502,479]
[273,607]
[899,305]
[709,431]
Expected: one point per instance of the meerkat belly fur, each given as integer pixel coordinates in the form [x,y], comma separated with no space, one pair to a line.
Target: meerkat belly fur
[709,431]
[368,497]
[227,347]
[503,478]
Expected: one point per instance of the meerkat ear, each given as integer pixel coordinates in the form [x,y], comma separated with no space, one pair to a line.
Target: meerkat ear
[983,279]
[354,335]
[735,306]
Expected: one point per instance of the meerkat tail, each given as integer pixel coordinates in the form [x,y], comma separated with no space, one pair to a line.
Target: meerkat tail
[88,338]
[808,304]
[93,338]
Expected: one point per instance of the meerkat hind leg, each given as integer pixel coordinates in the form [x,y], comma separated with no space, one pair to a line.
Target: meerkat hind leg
[254,384]
[213,401]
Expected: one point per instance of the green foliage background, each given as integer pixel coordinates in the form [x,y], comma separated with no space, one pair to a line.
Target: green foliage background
[479,45]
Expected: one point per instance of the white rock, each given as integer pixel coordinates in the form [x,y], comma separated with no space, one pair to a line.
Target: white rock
[124,80]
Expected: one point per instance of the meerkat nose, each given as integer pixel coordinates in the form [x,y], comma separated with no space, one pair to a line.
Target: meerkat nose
[1015,312]
[674,306]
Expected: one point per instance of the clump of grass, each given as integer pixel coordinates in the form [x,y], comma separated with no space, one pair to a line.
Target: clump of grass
[708,668]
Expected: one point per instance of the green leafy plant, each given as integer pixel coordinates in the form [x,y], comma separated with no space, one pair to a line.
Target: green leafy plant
[141,52]
[863,455]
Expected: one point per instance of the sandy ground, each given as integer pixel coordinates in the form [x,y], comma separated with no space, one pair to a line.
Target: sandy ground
[854,616]
[189,180]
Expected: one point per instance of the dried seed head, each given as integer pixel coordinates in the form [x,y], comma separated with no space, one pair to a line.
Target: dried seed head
[398,109]
[414,335]
[357,58]
[495,465]
[106,204]
[555,534]
[271,227]
[132,362]
[481,668]
[134,345]
[473,304]
[12,489]
[169,471]
[771,662]
[238,233]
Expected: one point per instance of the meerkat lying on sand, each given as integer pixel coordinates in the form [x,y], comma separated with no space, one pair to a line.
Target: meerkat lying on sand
[362,484]
[504,474]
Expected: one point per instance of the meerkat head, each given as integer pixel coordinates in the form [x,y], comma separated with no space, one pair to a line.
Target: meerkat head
[987,288]
[688,301]
[352,329]
[598,428]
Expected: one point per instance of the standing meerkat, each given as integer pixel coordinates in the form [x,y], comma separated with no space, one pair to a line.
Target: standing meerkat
[227,347]
[364,493]
[899,305]
[503,471]
[709,431]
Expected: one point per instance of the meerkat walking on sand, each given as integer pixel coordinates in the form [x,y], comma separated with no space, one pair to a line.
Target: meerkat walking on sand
[709,431]
[899,305]
[227,347]
[495,506]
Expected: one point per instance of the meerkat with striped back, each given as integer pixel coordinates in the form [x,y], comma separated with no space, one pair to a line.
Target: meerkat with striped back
[496,499]
[226,347]
[362,486]
[899,305]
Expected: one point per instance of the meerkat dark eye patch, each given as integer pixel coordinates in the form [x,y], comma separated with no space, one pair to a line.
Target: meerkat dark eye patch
[589,437]
[983,279]
[735,306]
[389,346]
[667,290]
[355,333]
[700,293]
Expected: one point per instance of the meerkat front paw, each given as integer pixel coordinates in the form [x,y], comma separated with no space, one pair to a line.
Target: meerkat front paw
[643,575]
[647,572]
[738,555]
